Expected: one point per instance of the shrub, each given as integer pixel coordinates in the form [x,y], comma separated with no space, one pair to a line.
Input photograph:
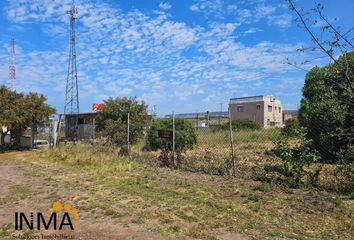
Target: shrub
[245,124]
[294,160]
[185,138]
[291,127]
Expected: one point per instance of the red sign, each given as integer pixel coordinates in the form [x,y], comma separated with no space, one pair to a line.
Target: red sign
[97,106]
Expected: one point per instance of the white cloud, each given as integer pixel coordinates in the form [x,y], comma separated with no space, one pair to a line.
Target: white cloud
[262,11]
[282,21]
[252,30]
[208,7]
[165,5]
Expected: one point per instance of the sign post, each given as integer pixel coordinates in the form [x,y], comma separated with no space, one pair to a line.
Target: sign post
[128,123]
[165,134]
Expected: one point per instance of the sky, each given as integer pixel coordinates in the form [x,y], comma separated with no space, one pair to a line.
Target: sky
[180,55]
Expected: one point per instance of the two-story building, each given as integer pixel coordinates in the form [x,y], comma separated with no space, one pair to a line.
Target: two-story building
[266,110]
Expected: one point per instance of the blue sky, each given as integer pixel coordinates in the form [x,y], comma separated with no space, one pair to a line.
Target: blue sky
[180,55]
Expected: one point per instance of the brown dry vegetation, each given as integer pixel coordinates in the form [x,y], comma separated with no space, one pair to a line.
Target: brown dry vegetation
[119,195]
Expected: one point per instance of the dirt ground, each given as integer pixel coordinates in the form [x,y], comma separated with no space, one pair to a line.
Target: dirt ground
[123,199]
[29,187]
[14,174]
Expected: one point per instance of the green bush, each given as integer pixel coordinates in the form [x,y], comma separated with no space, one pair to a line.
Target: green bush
[185,136]
[245,124]
[291,127]
[295,159]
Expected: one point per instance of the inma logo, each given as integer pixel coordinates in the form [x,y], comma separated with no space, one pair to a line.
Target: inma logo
[63,216]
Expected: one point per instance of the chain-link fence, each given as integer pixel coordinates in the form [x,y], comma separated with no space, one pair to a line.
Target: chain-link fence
[221,147]
[213,151]
[225,149]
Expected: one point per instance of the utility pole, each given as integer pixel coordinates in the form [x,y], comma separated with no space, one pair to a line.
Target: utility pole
[12,68]
[220,113]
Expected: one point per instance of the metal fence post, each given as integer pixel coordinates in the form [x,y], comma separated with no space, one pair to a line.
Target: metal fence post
[173,136]
[128,132]
[232,145]
[93,130]
[55,132]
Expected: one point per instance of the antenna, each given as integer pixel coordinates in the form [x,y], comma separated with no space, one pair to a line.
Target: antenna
[72,92]
[12,68]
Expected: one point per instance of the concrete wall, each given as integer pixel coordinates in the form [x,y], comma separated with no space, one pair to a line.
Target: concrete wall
[250,111]
[275,117]
[7,139]
[258,111]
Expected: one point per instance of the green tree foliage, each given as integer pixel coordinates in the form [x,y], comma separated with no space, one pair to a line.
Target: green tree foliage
[112,120]
[327,110]
[245,124]
[10,112]
[291,127]
[19,111]
[185,136]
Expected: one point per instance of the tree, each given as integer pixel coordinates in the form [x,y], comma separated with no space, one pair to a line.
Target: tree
[329,91]
[19,111]
[9,114]
[328,39]
[112,120]
[37,111]
[327,110]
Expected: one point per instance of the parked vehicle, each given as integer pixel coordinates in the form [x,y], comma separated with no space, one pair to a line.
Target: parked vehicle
[41,144]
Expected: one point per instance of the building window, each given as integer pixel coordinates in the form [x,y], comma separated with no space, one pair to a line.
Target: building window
[279,109]
[268,122]
[275,108]
[240,109]
[258,107]
[270,108]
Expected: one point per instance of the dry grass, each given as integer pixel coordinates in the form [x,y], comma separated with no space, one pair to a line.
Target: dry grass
[183,205]
[212,154]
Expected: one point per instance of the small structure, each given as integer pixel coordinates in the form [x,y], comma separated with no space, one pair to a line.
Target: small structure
[201,124]
[288,114]
[7,139]
[266,110]
[80,126]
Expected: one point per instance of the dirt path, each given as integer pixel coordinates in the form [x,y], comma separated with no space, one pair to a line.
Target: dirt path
[24,189]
